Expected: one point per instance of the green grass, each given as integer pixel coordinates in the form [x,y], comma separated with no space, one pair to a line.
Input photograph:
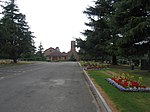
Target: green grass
[125,101]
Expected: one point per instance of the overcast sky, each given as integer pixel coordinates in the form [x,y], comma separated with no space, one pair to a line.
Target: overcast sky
[55,22]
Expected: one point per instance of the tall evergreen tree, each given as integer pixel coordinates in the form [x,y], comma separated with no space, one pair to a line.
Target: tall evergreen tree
[100,39]
[40,50]
[132,19]
[118,27]
[39,53]
[18,39]
[83,51]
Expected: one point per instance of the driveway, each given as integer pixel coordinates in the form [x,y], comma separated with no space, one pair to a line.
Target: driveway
[45,87]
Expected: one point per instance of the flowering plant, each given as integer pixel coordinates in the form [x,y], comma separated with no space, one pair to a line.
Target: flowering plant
[93,65]
[126,82]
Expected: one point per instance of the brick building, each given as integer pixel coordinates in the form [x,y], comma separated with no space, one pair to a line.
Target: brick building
[54,54]
[73,53]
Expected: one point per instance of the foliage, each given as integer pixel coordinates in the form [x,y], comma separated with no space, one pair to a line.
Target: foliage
[72,58]
[16,38]
[132,22]
[137,102]
[126,82]
[118,28]
[39,54]
[100,38]
[91,65]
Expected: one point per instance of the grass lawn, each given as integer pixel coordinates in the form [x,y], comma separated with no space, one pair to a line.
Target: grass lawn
[125,101]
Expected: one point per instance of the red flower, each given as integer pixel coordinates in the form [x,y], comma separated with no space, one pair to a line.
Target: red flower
[134,84]
[113,78]
[124,84]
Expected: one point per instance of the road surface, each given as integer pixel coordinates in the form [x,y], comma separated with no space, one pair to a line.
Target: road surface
[45,87]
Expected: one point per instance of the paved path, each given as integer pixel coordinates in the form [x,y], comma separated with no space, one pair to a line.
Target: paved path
[45,87]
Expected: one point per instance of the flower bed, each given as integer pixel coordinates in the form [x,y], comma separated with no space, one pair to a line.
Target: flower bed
[93,66]
[128,84]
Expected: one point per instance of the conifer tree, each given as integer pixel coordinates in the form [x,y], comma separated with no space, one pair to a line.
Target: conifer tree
[40,50]
[100,38]
[132,19]
[18,39]
[39,53]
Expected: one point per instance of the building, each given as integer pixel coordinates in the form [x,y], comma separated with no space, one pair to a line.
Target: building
[54,54]
[72,53]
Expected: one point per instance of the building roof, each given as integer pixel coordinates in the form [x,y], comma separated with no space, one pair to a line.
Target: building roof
[54,52]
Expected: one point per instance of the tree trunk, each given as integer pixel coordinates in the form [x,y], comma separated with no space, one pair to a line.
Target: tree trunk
[149,61]
[15,60]
[114,60]
[145,65]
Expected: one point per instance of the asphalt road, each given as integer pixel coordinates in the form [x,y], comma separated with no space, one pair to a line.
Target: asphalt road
[45,87]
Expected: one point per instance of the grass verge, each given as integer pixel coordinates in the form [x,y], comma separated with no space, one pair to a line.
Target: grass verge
[124,101]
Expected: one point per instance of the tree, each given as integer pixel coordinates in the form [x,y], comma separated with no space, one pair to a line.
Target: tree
[39,53]
[83,51]
[17,37]
[100,39]
[72,58]
[40,49]
[2,42]
[132,19]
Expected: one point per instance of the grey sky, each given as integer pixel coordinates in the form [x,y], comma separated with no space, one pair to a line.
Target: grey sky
[55,22]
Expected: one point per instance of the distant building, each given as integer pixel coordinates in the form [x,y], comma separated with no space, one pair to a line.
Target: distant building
[72,53]
[54,54]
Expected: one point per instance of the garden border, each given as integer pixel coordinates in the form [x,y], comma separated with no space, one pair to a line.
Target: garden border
[121,88]
[100,100]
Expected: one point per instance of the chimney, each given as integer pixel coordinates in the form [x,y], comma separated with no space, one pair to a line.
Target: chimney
[72,45]
[72,53]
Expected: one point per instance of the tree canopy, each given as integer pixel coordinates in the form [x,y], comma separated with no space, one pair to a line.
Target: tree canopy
[39,54]
[101,35]
[117,28]
[132,19]
[15,35]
